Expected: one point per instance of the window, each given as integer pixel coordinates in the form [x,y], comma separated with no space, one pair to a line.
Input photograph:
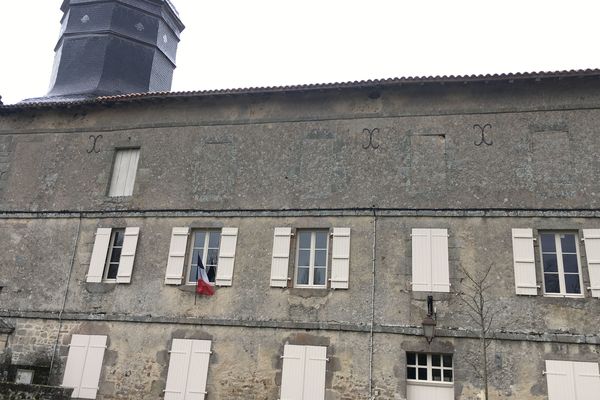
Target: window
[430,268]
[560,263]
[204,245]
[24,376]
[303,372]
[429,367]
[84,365]
[188,369]
[311,259]
[572,380]
[124,171]
[113,255]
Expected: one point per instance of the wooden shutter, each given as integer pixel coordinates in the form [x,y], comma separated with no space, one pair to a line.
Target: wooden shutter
[188,370]
[340,258]
[559,377]
[226,257]
[314,376]
[98,260]
[84,365]
[440,269]
[128,255]
[524,262]
[124,172]
[292,374]
[281,257]
[592,252]
[421,260]
[587,380]
[175,264]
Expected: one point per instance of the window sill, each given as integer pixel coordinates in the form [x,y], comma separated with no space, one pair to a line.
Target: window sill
[191,288]
[100,288]
[429,383]
[561,296]
[306,292]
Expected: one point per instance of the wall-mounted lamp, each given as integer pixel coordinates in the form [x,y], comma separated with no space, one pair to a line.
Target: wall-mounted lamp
[429,321]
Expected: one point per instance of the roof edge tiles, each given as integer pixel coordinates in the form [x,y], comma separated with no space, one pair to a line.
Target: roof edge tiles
[50,102]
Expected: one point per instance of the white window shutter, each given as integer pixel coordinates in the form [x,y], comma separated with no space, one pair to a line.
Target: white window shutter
[421,260]
[84,365]
[592,252]
[226,257]
[178,369]
[281,257]
[124,172]
[587,380]
[524,262]
[340,258]
[440,269]
[98,260]
[128,255]
[315,369]
[559,377]
[175,264]
[292,374]
[198,370]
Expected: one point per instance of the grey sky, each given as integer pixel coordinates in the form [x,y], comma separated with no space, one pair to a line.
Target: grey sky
[242,43]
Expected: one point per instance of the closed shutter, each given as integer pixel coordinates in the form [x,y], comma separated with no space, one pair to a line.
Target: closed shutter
[340,258]
[188,369]
[175,264]
[440,270]
[524,262]
[281,257]
[314,377]
[559,378]
[587,380]
[98,260]
[421,260]
[592,252]
[292,374]
[84,365]
[226,257]
[124,172]
[128,255]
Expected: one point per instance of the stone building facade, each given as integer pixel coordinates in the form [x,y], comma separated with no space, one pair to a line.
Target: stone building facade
[337,210]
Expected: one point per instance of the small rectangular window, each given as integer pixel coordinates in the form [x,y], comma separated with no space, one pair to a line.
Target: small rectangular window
[204,245]
[113,257]
[429,367]
[24,376]
[311,258]
[560,263]
[124,172]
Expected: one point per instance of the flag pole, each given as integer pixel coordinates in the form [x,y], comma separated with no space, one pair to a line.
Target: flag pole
[196,289]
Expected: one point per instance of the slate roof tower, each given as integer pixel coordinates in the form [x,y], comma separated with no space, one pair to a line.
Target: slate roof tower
[111,47]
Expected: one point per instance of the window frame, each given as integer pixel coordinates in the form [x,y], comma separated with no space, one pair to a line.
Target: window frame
[111,248]
[311,266]
[190,252]
[430,367]
[560,264]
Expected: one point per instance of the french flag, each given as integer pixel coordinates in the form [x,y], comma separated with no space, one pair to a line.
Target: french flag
[203,287]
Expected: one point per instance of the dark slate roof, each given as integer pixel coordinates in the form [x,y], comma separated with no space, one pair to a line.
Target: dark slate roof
[5,327]
[66,102]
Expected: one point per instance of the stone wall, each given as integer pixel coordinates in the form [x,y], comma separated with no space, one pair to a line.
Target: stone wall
[11,391]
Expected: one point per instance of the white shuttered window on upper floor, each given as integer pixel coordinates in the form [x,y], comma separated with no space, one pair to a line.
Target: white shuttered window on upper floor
[84,365]
[188,369]
[303,374]
[113,255]
[572,380]
[430,267]
[124,172]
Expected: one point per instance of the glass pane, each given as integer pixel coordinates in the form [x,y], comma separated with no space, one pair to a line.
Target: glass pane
[447,361]
[551,283]
[422,374]
[570,263]
[411,373]
[214,239]
[411,358]
[321,240]
[548,243]
[302,276]
[195,255]
[448,375]
[199,239]
[304,240]
[116,255]
[550,263]
[567,243]
[211,272]
[303,258]
[193,277]
[320,276]
[212,257]
[320,258]
[436,360]
[422,359]
[119,235]
[436,374]
[572,283]
[112,271]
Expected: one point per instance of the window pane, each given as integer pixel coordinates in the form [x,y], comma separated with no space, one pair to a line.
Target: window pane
[411,373]
[548,243]
[211,272]
[320,258]
[422,359]
[436,374]
[448,361]
[411,358]
[321,241]
[195,255]
[572,283]
[550,263]
[304,240]
[551,283]
[116,255]
[570,263]
[422,374]
[436,360]
[214,239]
[319,276]
[304,258]
[567,243]
[447,375]
[119,238]
[112,271]
[199,239]
[212,257]
[303,276]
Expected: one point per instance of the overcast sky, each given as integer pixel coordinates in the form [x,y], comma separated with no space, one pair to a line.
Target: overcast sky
[243,43]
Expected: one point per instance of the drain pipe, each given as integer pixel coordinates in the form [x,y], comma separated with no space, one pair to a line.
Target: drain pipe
[65,297]
[371,350]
